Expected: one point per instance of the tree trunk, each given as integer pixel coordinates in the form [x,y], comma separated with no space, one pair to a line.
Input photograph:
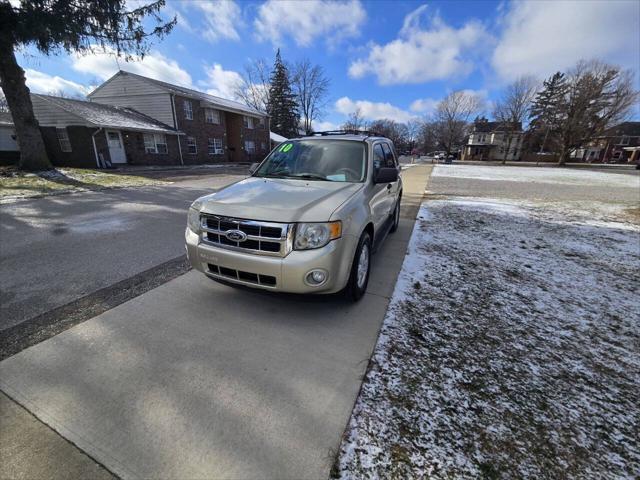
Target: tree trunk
[33,155]
[506,151]
[562,159]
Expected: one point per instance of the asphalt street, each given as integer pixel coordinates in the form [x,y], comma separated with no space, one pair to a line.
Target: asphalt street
[54,250]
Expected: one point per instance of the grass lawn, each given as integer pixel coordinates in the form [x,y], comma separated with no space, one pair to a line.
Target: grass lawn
[18,184]
[510,349]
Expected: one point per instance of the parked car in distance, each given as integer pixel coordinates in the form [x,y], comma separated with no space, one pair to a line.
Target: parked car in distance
[306,220]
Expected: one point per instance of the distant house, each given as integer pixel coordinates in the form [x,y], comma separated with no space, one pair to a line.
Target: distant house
[619,144]
[215,129]
[78,133]
[490,140]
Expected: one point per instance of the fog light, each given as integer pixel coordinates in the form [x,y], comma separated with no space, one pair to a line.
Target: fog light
[316,277]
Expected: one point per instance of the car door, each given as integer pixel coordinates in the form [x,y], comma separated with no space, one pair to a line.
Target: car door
[379,202]
[392,188]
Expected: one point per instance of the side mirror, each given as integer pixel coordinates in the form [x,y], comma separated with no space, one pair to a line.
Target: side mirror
[386,175]
[254,166]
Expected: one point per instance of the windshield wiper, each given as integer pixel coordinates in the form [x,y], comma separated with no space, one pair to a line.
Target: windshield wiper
[309,176]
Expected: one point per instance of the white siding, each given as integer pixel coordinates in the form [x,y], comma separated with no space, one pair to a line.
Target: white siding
[129,91]
[156,106]
[50,115]
[124,85]
[7,143]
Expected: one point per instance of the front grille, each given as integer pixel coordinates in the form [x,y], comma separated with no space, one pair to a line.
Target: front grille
[266,238]
[247,277]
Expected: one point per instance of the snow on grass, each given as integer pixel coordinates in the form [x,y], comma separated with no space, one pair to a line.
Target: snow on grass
[16,184]
[566,176]
[511,349]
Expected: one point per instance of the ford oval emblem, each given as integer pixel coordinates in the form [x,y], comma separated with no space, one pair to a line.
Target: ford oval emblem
[235,235]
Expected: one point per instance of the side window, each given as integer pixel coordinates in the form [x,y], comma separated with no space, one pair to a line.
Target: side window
[389,160]
[378,157]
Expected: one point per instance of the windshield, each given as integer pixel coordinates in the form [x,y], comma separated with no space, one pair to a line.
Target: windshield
[326,160]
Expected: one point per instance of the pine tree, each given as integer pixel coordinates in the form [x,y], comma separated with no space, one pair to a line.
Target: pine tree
[82,26]
[548,106]
[282,102]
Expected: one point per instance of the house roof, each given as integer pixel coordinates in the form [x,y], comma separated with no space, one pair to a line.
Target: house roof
[274,137]
[108,116]
[627,129]
[222,103]
[6,119]
[488,127]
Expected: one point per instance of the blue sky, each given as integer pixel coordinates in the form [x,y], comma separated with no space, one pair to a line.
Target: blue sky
[389,59]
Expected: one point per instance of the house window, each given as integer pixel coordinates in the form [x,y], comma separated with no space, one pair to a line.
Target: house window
[214,146]
[63,138]
[188,110]
[155,143]
[191,145]
[624,141]
[261,122]
[248,122]
[263,146]
[212,116]
[250,146]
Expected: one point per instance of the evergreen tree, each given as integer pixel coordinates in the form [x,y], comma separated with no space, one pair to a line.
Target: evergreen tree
[547,108]
[282,102]
[80,26]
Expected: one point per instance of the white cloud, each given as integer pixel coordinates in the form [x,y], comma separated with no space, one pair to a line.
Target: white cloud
[222,19]
[154,65]
[40,82]
[540,39]
[423,105]
[373,110]
[325,126]
[221,82]
[305,21]
[422,53]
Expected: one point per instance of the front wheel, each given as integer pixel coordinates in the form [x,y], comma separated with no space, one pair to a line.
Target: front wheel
[359,276]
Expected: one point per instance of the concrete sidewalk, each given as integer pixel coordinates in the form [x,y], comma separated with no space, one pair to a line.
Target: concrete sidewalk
[199,380]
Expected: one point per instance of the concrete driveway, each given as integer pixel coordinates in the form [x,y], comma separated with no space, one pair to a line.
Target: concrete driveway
[199,380]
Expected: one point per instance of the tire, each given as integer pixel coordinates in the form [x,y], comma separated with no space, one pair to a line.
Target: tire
[357,285]
[396,216]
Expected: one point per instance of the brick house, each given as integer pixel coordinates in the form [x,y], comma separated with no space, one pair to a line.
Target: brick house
[85,134]
[215,129]
[489,141]
[618,144]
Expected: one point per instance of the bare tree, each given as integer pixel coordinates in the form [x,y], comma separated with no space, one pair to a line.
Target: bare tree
[452,117]
[599,96]
[428,136]
[253,90]
[413,134]
[513,108]
[355,121]
[394,131]
[66,94]
[311,88]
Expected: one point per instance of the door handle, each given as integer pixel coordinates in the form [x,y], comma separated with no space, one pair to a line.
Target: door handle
[389,187]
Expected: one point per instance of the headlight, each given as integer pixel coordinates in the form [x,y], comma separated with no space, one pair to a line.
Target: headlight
[316,235]
[193,218]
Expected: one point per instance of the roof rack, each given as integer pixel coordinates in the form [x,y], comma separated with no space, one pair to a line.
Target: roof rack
[366,133]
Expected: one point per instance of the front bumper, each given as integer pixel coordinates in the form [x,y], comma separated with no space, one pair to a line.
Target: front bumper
[287,273]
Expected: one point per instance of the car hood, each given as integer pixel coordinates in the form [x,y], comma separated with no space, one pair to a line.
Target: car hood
[280,200]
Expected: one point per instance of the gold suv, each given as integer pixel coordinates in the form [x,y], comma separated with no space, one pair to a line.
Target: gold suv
[305,221]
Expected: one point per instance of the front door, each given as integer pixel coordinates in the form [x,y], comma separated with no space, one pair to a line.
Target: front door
[116,149]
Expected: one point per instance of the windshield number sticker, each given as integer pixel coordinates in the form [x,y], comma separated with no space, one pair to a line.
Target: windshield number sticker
[286,147]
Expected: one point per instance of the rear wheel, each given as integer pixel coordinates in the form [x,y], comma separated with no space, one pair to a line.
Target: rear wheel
[359,276]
